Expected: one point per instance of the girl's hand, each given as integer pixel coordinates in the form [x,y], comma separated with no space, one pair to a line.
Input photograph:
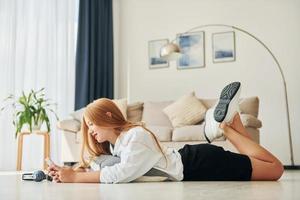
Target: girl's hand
[53,169]
[53,172]
[66,175]
[56,178]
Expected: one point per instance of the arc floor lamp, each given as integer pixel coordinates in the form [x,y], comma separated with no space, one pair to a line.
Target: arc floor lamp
[171,51]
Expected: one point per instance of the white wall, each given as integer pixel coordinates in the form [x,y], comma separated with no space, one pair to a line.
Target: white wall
[275,22]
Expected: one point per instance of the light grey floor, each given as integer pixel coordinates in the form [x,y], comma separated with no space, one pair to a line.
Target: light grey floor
[12,187]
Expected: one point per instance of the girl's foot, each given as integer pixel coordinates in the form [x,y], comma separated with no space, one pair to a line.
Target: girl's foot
[237,123]
[238,126]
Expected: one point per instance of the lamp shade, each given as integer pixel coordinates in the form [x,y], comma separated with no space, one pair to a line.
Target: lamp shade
[170,51]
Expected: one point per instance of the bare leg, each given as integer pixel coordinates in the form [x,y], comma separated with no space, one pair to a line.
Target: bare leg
[265,166]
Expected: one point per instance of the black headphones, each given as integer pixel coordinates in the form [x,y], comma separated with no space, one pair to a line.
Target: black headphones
[36,176]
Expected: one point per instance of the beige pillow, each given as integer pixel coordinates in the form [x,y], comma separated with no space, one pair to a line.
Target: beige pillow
[153,113]
[69,125]
[187,110]
[78,114]
[122,105]
[135,111]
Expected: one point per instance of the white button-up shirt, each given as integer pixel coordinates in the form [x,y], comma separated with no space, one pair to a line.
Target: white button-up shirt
[139,153]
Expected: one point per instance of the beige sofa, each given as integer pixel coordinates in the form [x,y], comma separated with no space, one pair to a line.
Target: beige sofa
[151,113]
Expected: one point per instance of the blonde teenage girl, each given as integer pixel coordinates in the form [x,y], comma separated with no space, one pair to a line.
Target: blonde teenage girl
[106,132]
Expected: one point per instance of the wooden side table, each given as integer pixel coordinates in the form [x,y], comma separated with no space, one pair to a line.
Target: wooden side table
[20,146]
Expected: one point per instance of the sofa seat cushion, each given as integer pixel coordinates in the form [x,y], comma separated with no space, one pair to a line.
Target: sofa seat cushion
[187,110]
[190,133]
[153,114]
[162,133]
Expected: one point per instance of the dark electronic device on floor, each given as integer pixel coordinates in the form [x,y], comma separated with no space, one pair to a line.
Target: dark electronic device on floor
[36,176]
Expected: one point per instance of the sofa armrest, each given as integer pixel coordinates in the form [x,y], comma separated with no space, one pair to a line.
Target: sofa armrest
[71,125]
[250,121]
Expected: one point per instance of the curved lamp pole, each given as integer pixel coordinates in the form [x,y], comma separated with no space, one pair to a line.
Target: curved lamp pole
[171,51]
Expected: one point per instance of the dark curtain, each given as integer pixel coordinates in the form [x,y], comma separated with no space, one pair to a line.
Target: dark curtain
[94,53]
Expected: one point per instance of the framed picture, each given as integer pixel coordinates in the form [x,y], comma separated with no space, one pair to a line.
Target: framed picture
[223,45]
[192,47]
[155,61]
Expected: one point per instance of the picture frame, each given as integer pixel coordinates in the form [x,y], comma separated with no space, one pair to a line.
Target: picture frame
[155,61]
[192,47]
[223,47]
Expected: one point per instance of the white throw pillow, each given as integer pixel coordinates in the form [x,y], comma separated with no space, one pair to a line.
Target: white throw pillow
[187,110]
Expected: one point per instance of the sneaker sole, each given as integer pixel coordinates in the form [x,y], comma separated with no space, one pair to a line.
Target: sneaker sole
[226,96]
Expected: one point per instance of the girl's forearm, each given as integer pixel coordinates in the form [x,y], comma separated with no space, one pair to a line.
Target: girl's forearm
[87,177]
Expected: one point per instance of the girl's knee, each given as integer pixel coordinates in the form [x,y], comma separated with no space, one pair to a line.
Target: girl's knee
[266,171]
[278,171]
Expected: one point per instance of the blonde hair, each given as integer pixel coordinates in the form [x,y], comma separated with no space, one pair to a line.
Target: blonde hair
[105,113]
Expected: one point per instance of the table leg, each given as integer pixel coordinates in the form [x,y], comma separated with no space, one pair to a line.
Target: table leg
[20,151]
[46,148]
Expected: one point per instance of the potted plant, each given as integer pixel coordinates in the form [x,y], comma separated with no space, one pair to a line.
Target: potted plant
[31,110]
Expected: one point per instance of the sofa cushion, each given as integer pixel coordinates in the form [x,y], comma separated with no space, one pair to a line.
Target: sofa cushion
[196,132]
[122,105]
[162,133]
[78,114]
[250,121]
[249,105]
[190,133]
[187,110]
[208,103]
[69,125]
[135,111]
[153,114]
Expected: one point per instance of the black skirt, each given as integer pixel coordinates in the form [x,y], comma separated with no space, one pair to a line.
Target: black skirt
[206,162]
